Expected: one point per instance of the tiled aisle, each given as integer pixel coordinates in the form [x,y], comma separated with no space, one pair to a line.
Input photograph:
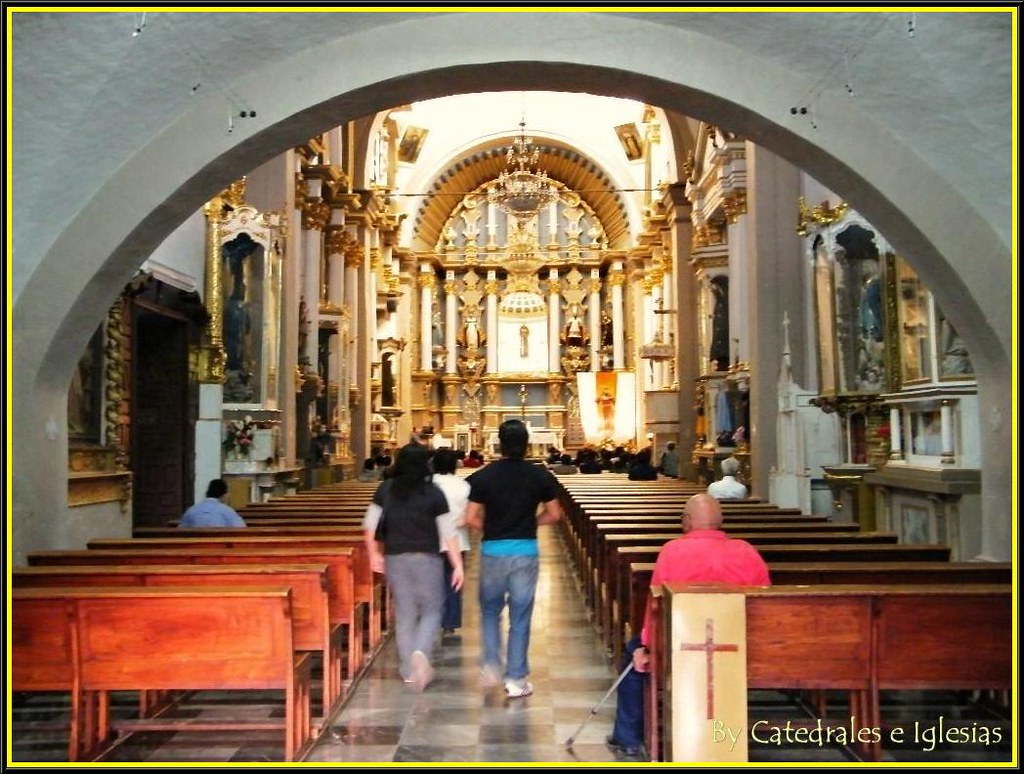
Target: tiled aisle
[455,720]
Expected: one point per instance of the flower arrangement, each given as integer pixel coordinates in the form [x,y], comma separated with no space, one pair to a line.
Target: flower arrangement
[240,436]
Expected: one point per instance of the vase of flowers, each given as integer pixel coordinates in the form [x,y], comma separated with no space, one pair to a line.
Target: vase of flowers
[239,438]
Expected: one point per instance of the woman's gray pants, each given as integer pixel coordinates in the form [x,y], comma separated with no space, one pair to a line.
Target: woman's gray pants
[416,582]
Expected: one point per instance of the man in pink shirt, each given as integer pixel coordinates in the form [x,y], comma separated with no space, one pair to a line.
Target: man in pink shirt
[704,554]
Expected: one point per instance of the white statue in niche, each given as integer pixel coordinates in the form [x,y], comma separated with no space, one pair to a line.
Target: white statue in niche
[574,326]
[471,330]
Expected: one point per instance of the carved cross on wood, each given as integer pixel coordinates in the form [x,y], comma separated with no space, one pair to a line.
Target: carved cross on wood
[710,648]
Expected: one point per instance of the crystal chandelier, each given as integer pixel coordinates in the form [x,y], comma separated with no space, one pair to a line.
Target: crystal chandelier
[520,191]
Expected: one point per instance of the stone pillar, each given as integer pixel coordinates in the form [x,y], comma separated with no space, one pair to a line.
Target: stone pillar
[649,376]
[336,242]
[315,213]
[554,318]
[492,228]
[371,297]
[895,434]
[684,322]
[594,309]
[491,288]
[339,344]
[740,272]
[366,338]
[617,279]
[671,307]
[209,431]
[357,373]
[657,302]
[291,292]
[427,282]
[775,260]
[948,448]
[450,322]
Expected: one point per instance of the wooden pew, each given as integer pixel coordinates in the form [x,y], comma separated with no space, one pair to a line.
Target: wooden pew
[584,545]
[238,538]
[578,518]
[617,575]
[142,639]
[340,561]
[44,650]
[605,543]
[613,582]
[313,630]
[583,534]
[865,639]
[285,530]
[832,574]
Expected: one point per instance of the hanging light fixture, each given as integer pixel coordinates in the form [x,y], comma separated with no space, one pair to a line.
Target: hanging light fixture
[521,191]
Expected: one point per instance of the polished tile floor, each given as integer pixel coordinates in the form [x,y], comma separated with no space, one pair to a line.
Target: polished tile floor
[455,721]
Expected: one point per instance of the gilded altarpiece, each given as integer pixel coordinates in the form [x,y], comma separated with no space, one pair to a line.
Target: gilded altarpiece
[530,308]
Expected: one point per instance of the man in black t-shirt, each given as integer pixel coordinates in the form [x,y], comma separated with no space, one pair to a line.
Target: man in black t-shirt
[503,502]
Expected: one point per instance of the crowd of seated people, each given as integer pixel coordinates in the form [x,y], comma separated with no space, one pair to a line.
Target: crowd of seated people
[589,460]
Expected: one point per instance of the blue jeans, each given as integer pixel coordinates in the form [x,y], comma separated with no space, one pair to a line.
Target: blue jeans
[629,709]
[515,576]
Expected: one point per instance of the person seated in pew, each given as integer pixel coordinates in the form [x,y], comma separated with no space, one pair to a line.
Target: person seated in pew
[214,511]
[642,469]
[370,471]
[564,466]
[589,462]
[669,465]
[704,554]
[728,488]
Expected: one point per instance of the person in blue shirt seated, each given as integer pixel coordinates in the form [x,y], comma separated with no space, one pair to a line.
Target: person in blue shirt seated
[213,511]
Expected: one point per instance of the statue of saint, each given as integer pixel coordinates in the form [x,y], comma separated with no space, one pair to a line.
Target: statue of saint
[471,331]
[607,334]
[524,341]
[574,327]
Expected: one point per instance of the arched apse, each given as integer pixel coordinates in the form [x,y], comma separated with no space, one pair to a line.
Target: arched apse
[67,273]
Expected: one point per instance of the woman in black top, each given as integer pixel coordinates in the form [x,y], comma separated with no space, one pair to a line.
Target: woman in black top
[405,525]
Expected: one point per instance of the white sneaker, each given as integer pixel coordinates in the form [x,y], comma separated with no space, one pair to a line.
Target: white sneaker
[516,690]
[421,673]
[490,676]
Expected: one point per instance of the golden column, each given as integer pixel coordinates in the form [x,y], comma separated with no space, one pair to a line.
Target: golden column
[211,369]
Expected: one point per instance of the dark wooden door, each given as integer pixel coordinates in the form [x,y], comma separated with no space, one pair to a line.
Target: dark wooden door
[161,426]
